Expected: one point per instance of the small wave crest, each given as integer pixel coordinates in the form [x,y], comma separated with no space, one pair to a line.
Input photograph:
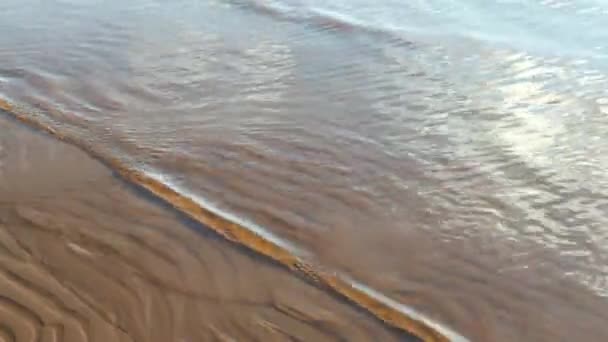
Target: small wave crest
[321,19]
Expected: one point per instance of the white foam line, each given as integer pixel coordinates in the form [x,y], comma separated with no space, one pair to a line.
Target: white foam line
[204,203]
[406,310]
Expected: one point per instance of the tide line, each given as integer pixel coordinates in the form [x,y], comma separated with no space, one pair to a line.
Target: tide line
[253,237]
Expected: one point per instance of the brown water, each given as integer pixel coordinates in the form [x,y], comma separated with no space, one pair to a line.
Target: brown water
[463,180]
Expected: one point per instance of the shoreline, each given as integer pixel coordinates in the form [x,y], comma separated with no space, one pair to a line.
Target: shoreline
[361,297]
[92,259]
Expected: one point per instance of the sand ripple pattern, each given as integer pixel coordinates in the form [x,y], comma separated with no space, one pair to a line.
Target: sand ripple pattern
[88,258]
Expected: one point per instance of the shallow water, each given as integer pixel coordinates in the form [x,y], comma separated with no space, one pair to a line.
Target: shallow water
[448,154]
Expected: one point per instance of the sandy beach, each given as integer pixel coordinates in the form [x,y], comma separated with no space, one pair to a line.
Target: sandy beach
[84,256]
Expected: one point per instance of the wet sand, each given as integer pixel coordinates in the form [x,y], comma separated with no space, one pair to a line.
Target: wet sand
[84,256]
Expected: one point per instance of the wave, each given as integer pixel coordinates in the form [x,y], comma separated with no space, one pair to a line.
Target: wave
[322,19]
[251,236]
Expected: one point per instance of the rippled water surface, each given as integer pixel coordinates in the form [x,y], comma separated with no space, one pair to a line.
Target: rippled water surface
[450,154]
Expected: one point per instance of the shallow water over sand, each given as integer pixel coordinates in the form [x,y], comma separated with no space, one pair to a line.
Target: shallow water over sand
[456,173]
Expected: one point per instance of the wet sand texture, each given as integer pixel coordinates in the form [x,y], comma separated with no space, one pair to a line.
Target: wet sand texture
[86,257]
